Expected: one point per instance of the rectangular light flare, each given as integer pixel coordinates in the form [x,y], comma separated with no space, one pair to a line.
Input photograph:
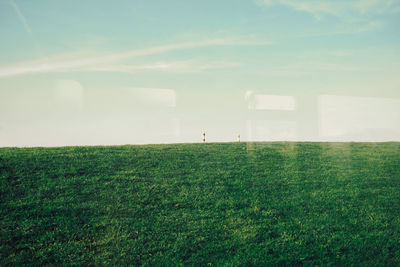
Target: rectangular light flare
[273,102]
[353,118]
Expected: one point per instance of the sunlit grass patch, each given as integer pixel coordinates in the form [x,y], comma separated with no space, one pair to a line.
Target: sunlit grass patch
[276,203]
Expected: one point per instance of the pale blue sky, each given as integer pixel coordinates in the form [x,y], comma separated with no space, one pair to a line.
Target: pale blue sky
[119,72]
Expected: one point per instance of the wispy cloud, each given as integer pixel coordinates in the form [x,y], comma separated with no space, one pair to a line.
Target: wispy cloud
[315,67]
[109,62]
[348,30]
[189,66]
[21,17]
[337,8]
[26,26]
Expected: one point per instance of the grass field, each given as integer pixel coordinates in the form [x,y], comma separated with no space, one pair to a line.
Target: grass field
[186,204]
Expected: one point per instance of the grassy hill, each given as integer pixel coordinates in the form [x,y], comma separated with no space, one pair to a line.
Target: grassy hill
[222,203]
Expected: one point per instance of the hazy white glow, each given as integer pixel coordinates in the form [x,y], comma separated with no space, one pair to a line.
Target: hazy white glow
[271,130]
[359,118]
[156,97]
[175,130]
[69,92]
[162,72]
[270,102]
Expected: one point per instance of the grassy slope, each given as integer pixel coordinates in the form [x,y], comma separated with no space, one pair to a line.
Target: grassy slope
[255,203]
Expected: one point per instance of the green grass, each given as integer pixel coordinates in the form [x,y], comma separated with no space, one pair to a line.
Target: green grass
[191,204]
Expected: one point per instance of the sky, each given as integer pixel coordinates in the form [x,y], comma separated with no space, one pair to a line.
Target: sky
[139,72]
